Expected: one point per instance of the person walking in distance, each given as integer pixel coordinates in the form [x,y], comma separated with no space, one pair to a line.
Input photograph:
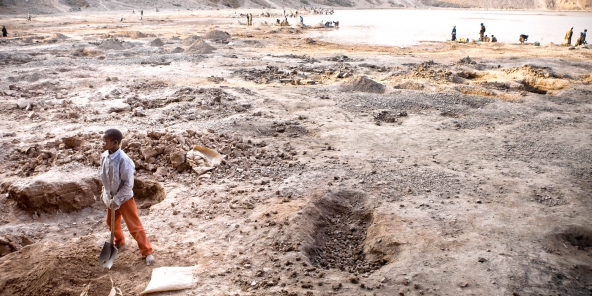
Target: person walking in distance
[568,36]
[453,34]
[4,32]
[481,32]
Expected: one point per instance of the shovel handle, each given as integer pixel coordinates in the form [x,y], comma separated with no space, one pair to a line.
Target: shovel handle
[112,224]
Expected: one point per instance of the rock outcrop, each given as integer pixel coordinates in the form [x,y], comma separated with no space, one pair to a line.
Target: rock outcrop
[56,190]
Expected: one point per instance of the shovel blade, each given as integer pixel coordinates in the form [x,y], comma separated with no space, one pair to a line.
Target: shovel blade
[108,254]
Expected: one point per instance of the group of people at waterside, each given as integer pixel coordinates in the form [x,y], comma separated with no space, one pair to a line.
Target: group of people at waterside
[522,38]
[285,15]
[482,36]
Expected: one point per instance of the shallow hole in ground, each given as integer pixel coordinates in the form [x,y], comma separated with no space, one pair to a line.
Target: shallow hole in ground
[339,225]
[577,236]
[533,89]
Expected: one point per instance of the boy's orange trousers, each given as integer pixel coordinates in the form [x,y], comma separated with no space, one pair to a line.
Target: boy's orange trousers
[129,211]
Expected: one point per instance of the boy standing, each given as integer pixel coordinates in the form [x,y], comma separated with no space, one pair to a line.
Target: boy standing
[117,175]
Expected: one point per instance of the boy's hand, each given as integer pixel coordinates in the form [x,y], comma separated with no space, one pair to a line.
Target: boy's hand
[113,205]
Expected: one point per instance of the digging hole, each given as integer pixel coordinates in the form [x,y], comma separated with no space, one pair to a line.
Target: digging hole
[147,193]
[578,237]
[530,88]
[339,226]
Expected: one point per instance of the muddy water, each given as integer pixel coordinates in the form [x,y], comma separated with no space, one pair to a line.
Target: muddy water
[406,27]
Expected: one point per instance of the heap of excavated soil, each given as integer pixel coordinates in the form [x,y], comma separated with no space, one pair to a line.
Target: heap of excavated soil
[216,34]
[45,269]
[156,42]
[135,34]
[85,52]
[190,40]
[112,44]
[177,50]
[201,47]
[59,36]
[363,84]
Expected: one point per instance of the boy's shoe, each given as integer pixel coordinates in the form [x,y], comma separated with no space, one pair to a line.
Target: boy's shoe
[150,259]
[120,247]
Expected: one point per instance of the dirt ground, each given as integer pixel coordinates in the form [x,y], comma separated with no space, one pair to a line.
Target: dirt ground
[435,169]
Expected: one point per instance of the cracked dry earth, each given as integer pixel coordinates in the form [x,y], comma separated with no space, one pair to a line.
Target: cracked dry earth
[348,169]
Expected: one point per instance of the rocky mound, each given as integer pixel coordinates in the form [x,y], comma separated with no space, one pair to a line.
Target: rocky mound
[85,52]
[177,50]
[410,85]
[59,36]
[190,40]
[112,44]
[156,42]
[201,47]
[216,35]
[55,190]
[135,34]
[363,84]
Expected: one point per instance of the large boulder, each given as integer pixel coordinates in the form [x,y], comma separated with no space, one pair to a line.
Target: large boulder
[56,190]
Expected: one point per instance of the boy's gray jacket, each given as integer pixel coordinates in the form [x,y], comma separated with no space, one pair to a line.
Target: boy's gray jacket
[117,175]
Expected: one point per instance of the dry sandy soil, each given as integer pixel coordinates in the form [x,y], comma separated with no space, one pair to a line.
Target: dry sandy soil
[436,169]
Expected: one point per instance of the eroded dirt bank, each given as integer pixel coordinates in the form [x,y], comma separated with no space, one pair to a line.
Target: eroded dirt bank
[438,169]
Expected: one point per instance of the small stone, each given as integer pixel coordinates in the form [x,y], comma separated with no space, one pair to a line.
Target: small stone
[336,286]
[463,284]
[481,259]
[23,103]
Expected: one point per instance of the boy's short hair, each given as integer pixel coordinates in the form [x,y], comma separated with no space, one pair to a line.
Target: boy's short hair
[114,134]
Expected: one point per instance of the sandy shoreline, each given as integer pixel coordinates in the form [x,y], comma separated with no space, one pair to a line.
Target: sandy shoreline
[433,169]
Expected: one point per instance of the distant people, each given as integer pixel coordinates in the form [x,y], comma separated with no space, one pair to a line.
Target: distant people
[585,32]
[486,39]
[453,34]
[4,32]
[493,39]
[277,21]
[142,12]
[336,23]
[28,17]
[523,38]
[134,11]
[301,20]
[568,36]
[481,32]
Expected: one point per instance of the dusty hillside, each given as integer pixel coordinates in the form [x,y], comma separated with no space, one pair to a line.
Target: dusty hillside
[55,6]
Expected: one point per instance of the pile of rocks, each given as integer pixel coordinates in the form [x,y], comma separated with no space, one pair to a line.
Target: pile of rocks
[159,154]
[531,71]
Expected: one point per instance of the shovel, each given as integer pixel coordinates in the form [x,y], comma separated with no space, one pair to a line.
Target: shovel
[109,251]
